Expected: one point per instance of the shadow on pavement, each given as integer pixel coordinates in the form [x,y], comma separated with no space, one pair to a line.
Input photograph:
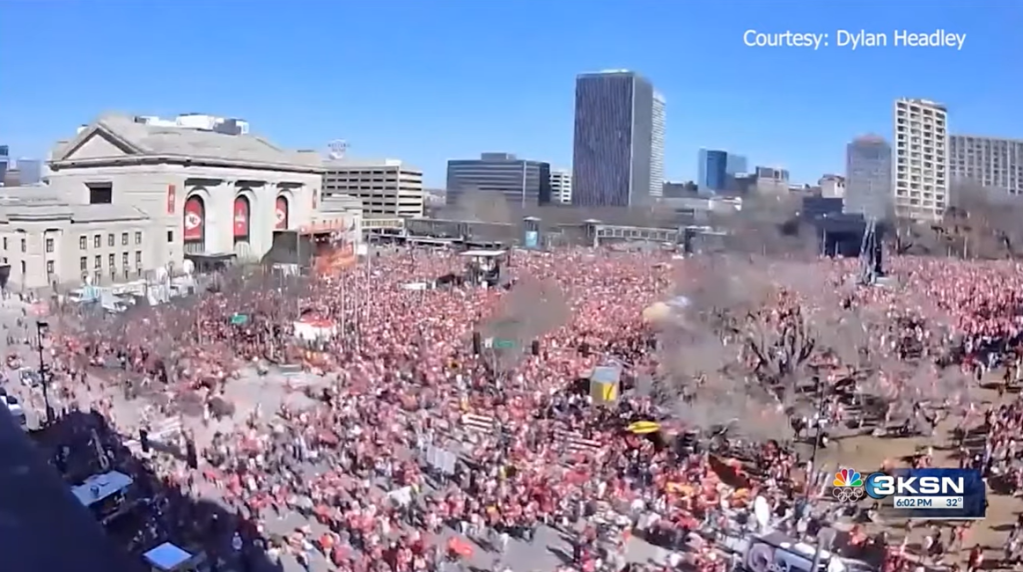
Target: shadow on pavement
[156,509]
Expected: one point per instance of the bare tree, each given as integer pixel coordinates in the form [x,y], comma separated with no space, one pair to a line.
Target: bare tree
[528,312]
[475,205]
[769,225]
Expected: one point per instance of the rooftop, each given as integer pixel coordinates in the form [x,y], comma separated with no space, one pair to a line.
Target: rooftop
[346,163]
[42,203]
[185,143]
[45,527]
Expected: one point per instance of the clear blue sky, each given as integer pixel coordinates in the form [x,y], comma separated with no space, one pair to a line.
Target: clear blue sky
[429,80]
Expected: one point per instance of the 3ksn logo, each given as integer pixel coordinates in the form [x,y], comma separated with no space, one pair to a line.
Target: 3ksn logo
[880,485]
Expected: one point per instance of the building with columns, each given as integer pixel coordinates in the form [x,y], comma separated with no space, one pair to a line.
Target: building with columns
[185,193]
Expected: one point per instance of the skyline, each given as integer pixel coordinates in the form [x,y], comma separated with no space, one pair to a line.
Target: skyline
[446,82]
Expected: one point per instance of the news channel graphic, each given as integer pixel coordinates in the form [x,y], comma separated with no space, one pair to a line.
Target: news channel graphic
[931,493]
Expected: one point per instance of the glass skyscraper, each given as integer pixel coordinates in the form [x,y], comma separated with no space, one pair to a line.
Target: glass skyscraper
[618,148]
[30,171]
[868,177]
[716,170]
[5,160]
[712,170]
[520,181]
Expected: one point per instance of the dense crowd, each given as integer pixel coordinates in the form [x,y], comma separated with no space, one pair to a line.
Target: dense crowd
[404,374]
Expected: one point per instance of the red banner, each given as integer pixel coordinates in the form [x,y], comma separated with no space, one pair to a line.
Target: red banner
[171,198]
[281,214]
[241,217]
[195,218]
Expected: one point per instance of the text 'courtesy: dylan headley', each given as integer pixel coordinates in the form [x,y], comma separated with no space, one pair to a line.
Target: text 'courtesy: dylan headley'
[854,39]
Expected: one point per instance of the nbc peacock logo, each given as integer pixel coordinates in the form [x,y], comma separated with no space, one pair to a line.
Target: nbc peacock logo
[848,485]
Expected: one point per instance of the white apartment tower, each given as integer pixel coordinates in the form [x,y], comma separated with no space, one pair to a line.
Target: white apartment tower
[657,147]
[561,186]
[990,162]
[920,169]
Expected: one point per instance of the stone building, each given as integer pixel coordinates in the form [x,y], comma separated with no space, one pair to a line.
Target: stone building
[126,197]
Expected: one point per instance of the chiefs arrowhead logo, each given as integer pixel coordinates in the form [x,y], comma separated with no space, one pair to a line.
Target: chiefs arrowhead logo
[281,215]
[192,220]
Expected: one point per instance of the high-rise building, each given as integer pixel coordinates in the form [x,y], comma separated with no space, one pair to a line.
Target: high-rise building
[5,161]
[712,170]
[561,186]
[30,171]
[657,147]
[920,169]
[986,161]
[868,177]
[387,188]
[617,153]
[735,165]
[522,182]
[716,170]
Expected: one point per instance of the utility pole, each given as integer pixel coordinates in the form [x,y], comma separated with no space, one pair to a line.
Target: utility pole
[819,396]
[41,329]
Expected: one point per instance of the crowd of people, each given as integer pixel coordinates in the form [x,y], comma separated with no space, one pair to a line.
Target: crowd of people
[406,368]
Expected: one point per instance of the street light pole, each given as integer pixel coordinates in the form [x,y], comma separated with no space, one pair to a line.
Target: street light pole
[41,328]
[819,396]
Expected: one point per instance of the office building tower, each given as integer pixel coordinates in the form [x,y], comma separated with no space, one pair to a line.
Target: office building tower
[617,156]
[712,171]
[716,170]
[5,161]
[522,182]
[30,171]
[988,162]
[868,177]
[561,186]
[920,169]
[735,165]
[387,188]
[657,147]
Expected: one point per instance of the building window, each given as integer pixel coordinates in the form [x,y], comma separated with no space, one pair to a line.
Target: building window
[138,272]
[83,263]
[83,243]
[97,241]
[110,260]
[113,275]
[98,276]
[138,237]
[101,194]
[110,239]
[5,243]
[124,239]
[49,267]
[126,273]
[97,262]
[24,268]
[170,236]
[49,245]
[138,259]
[124,259]
[24,245]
